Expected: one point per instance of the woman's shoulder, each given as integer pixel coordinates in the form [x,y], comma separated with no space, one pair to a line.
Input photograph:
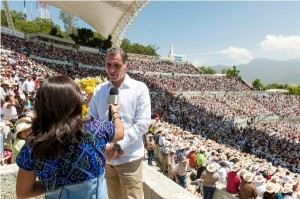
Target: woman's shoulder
[95,122]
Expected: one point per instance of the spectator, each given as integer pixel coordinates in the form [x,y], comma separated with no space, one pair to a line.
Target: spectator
[209,179]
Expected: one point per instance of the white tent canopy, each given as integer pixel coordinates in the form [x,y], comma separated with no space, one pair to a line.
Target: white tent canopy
[107,17]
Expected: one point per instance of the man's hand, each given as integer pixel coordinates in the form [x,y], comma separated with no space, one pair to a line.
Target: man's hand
[111,153]
[120,153]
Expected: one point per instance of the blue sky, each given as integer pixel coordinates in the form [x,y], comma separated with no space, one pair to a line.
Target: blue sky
[211,33]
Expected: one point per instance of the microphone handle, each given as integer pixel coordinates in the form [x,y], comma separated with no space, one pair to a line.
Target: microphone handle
[109,114]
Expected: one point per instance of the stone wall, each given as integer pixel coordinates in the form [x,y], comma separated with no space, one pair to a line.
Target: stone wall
[156,185]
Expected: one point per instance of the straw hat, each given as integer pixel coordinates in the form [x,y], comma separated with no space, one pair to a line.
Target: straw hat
[242,172]
[193,148]
[184,159]
[248,177]
[211,168]
[202,149]
[21,127]
[167,143]
[291,182]
[171,151]
[298,195]
[287,189]
[271,187]
[181,147]
[260,179]
[235,168]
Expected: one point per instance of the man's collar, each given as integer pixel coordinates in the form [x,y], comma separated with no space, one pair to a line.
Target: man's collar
[125,83]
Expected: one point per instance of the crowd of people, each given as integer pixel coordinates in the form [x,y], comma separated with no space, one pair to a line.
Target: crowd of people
[162,66]
[207,124]
[221,166]
[192,83]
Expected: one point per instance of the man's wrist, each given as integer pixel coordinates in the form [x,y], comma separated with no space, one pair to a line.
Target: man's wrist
[117,147]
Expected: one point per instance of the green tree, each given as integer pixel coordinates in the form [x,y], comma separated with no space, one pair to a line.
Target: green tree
[257,84]
[139,48]
[15,16]
[126,45]
[107,43]
[294,90]
[55,31]
[44,25]
[26,26]
[232,72]
[223,71]
[207,70]
[69,21]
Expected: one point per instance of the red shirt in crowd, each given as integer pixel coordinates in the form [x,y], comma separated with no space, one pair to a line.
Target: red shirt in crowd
[192,157]
[233,182]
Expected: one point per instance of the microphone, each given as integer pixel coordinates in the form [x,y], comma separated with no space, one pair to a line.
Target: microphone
[112,99]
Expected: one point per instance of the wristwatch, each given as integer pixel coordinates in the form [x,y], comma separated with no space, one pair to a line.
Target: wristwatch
[117,147]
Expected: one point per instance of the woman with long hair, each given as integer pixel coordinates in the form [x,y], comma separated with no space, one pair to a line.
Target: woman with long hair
[65,152]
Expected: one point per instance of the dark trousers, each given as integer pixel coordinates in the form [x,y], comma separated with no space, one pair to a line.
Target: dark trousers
[209,192]
[200,171]
[150,156]
[182,180]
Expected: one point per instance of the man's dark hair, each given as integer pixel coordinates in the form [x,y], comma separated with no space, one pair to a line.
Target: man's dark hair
[118,51]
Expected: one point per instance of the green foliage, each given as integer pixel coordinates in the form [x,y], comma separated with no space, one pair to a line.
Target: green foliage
[138,48]
[69,21]
[55,31]
[107,43]
[257,84]
[87,37]
[26,26]
[223,71]
[207,70]
[231,72]
[294,90]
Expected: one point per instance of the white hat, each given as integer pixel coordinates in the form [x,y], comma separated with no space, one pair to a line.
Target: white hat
[272,187]
[248,177]
[287,189]
[260,179]
[22,126]
[167,143]
[202,149]
[211,168]
[235,167]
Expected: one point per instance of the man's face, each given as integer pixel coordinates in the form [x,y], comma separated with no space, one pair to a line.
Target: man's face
[115,69]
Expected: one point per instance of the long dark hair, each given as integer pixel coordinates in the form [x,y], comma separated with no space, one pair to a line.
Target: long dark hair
[58,123]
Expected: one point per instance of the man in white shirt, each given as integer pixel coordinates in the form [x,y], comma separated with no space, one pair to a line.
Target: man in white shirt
[29,85]
[123,170]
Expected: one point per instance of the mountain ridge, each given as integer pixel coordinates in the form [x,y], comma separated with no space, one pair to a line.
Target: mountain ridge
[268,71]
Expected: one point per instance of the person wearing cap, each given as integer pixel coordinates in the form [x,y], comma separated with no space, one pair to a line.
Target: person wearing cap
[29,85]
[259,182]
[5,90]
[164,151]
[9,109]
[171,163]
[222,172]
[192,157]
[209,179]
[270,192]
[150,146]
[201,162]
[247,188]
[287,192]
[23,129]
[181,172]
[233,179]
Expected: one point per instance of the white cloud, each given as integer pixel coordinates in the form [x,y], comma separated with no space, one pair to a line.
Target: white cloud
[240,55]
[289,44]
